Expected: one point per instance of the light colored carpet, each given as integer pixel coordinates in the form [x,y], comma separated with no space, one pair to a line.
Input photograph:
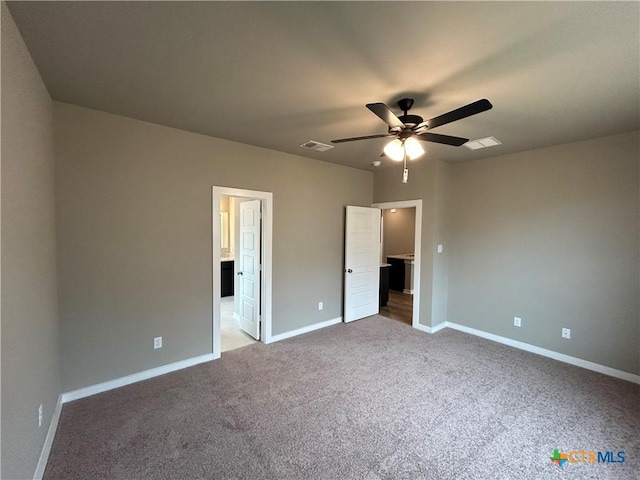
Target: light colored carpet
[373,399]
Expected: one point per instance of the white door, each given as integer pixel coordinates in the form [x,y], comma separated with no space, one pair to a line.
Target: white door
[249,268]
[362,263]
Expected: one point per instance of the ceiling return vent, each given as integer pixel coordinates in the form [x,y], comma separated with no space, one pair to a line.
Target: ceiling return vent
[317,146]
[482,143]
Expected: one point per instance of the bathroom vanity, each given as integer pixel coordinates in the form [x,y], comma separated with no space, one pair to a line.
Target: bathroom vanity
[226,276]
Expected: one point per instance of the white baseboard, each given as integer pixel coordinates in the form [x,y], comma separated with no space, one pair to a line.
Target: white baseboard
[596,367]
[103,387]
[172,367]
[136,377]
[630,377]
[48,441]
[424,328]
[307,329]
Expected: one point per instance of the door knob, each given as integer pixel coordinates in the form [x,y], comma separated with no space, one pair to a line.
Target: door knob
[349,271]
[239,273]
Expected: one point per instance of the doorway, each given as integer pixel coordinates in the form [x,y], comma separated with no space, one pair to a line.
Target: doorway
[240,240]
[403,303]
[241,267]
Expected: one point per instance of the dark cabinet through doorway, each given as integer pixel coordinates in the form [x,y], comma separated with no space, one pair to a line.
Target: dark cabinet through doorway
[396,275]
[226,280]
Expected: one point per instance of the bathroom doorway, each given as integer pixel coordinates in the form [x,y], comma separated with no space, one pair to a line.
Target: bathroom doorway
[401,228]
[241,255]
[239,267]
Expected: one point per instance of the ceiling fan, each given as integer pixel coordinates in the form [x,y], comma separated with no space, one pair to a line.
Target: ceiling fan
[407,129]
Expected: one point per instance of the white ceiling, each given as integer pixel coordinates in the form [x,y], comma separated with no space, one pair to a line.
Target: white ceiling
[277,74]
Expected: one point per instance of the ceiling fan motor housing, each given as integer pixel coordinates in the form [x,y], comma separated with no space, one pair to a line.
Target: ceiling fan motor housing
[410,121]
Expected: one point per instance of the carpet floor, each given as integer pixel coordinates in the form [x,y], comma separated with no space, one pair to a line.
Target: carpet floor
[373,399]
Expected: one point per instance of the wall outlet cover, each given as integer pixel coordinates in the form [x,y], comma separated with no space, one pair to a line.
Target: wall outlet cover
[566,333]
[157,342]
[517,321]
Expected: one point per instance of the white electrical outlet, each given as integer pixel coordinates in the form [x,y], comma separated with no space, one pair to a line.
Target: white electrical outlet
[40,415]
[320,305]
[566,333]
[517,322]
[157,342]
[440,248]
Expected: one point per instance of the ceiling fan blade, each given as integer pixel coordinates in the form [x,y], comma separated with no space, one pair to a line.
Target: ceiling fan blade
[445,139]
[353,139]
[474,108]
[387,116]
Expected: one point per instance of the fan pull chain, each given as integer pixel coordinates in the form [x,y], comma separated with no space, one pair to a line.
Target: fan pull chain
[405,172]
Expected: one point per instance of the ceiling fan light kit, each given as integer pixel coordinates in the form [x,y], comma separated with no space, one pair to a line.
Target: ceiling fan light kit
[413,148]
[408,129]
[394,150]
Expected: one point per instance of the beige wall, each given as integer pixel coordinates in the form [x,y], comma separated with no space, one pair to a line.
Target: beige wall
[30,366]
[551,236]
[134,231]
[441,219]
[399,231]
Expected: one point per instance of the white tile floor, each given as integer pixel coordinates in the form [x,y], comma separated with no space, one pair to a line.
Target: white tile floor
[232,336]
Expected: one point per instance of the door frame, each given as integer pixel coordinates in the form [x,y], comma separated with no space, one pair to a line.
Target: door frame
[266,231]
[417,262]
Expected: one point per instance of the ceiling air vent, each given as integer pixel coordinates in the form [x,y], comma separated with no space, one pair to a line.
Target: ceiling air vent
[482,143]
[317,146]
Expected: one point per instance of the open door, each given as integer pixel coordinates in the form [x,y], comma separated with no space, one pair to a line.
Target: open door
[362,263]
[249,268]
